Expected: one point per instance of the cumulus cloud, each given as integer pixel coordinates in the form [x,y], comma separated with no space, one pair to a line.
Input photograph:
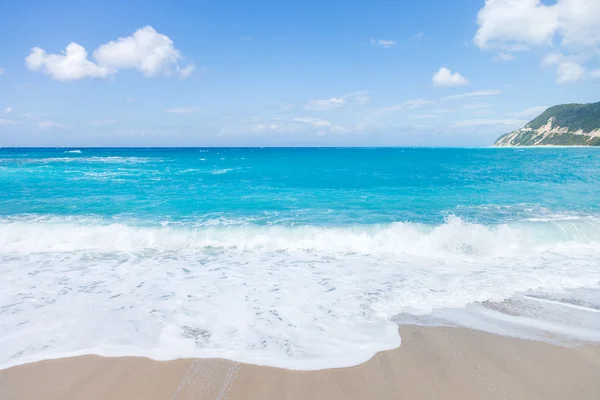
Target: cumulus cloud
[383,43]
[568,68]
[573,25]
[445,78]
[515,21]
[6,122]
[146,50]
[595,73]
[8,110]
[504,57]
[328,104]
[569,72]
[50,124]
[71,65]
[477,93]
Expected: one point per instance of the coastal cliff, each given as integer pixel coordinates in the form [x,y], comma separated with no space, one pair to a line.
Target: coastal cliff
[562,125]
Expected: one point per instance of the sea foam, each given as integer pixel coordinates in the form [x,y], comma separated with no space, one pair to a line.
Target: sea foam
[302,297]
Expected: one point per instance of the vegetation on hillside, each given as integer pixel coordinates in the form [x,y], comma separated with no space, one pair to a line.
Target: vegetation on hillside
[574,117]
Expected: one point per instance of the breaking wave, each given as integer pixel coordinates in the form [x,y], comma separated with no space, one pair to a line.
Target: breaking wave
[302,297]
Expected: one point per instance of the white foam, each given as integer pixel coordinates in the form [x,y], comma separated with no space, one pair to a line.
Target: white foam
[73,151]
[221,171]
[527,316]
[93,159]
[302,297]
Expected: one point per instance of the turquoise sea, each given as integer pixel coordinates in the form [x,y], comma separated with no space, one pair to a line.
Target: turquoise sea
[302,258]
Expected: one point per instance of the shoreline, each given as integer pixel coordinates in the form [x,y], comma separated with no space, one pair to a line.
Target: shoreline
[431,363]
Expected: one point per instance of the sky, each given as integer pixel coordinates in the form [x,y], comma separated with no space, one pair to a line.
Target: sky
[290,73]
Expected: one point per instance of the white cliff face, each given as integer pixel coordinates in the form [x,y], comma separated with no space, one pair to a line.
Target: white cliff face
[534,137]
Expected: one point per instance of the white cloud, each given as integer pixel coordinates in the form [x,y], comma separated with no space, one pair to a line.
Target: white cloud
[30,116]
[324,127]
[529,22]
[407,105]
[478,93]
[568,68]
[316,122]
[103,122]
[552,59]
[315,125]
[6,122]
[266,127]
[8,110]
[529,112]
[182,110]
[71,65]
[383,43]
[515,22]
[504,57]
[328,104]
[146,50]
[445,78]
[595,73]
[1,70]
[50,124]
[573,25]
[361,97]
[579,22]
[569,72]
[475,122]
[186,71]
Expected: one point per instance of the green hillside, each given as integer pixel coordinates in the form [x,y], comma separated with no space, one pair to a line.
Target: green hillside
[568,121]
[574,116]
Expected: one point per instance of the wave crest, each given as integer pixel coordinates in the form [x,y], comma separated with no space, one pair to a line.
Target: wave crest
[455,237]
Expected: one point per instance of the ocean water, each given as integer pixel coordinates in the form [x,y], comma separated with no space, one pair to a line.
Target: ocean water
[297,258]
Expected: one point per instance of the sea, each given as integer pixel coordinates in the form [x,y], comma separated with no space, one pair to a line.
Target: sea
[302,258]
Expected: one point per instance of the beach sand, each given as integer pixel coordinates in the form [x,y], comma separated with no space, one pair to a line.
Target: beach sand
[431,363]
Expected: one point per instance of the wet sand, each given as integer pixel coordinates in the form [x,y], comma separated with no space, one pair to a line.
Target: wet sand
[432,363]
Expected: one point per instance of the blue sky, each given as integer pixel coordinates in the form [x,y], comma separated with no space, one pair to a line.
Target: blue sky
[289,73]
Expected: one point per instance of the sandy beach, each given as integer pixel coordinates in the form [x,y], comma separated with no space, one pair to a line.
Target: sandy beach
[431,363]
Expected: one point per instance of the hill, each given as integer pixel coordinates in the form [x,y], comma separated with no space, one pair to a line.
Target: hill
[562,125]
